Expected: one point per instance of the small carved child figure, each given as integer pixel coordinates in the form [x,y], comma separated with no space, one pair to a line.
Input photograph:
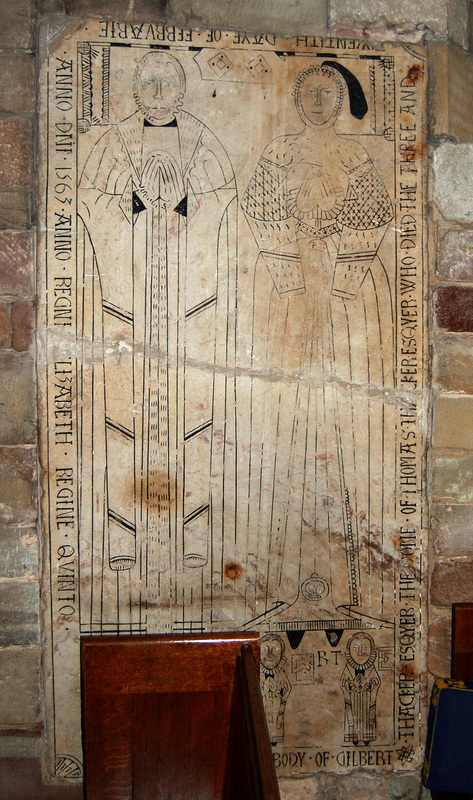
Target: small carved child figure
[360,682]
[275,685]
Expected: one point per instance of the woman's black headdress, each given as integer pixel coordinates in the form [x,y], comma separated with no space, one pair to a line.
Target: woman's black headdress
[356,95]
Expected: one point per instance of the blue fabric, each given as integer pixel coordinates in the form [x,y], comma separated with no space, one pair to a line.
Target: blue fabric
[448,764]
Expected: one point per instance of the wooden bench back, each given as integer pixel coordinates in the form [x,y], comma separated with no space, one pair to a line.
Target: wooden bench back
[175,717]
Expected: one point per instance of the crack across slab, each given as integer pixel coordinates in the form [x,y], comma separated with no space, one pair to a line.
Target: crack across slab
[89,352]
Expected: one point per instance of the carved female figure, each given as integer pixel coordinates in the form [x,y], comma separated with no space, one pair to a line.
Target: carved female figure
[319,211]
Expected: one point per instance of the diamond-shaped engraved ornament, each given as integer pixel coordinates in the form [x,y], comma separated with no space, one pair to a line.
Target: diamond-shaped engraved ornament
[259,67]
[220,64]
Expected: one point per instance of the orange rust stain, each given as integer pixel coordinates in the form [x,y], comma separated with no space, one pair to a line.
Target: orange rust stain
[406,556]
[233,570]
[421,149]
[414,73]
[416,151]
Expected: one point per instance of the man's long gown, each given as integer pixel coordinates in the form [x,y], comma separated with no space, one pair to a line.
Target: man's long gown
[158,392]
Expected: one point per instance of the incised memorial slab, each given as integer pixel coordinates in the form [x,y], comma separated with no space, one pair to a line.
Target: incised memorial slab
[231,369]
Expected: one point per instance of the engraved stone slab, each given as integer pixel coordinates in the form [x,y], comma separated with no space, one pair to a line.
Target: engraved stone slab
[231,369]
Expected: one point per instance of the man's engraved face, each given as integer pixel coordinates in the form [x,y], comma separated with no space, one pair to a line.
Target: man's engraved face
[360,649]
[158,90]
[271,652]
[319,98]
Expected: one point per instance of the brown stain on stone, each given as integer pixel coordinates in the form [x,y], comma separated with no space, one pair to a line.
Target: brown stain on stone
[408,671]
[416,150]
[233,570]
[453,307]
[420,149]
[414,73]
[159,481]
[384,558]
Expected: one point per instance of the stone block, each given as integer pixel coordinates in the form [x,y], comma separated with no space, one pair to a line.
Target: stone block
[470,27]
[378,31]
[266,16]
[18,487]
[18,25]
[452,582]
[416,12]
[5,325]
[20,747]
[52,7]
[16,153]
[17,399]
[453,422]
[20,686]
[453,479]
[440,638]
[358,785]
[452,91]
[458,22]
[16,263]
[18,82]
[453,362]
[18,552]
[15,210]
[456,255]
[451,526]
[453,307]
[19,603]
[453,166]
[22,322]
[140,10]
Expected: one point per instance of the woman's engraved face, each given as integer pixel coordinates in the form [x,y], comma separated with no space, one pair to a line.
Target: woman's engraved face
[159,91]
[319,98]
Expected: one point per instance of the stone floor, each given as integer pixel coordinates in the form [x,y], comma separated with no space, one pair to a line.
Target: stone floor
[20,779]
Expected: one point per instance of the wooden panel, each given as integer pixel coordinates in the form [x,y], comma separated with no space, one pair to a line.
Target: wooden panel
[116,664]
[250,766]
[179,745]
[462,641]
[108,747]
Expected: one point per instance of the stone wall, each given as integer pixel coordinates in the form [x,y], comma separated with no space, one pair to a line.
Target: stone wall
[450,456]
[451,329]
[20,654]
